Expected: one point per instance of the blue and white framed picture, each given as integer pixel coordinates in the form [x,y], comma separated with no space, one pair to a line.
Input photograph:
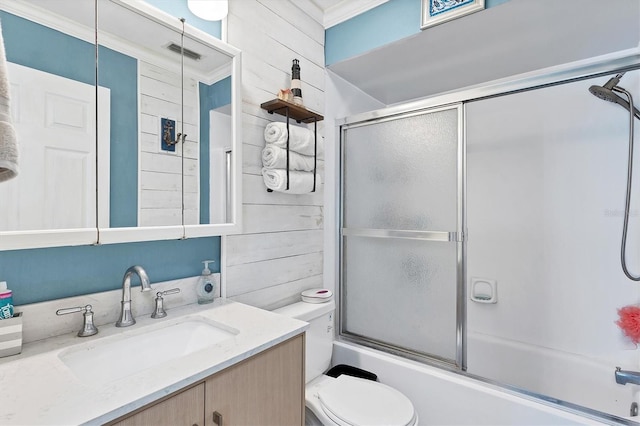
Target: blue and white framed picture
[435,12]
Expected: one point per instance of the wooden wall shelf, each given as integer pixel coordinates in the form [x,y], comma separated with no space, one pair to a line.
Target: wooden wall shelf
[296,112]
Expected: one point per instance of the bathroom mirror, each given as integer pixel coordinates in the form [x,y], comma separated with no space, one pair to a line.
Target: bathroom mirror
[172,147]
[130,187]
[50,54]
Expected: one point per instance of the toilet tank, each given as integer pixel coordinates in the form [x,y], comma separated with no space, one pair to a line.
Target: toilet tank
[319,337]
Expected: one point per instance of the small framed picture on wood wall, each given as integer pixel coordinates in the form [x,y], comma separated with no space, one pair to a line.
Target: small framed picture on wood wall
[435,12]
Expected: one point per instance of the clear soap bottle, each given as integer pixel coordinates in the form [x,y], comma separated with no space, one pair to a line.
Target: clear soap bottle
[206,287]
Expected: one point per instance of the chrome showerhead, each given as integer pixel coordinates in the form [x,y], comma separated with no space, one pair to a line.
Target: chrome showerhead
[607,93]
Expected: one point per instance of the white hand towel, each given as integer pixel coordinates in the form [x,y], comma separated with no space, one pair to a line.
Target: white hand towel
[274,157]
[8,152]
[301,139]
[300,182]
[8,140]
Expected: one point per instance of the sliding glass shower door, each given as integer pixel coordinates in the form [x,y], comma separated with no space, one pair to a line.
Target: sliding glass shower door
[402,234]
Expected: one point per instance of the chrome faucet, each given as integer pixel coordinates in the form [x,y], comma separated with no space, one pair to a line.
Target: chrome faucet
[126,317]
[624,376]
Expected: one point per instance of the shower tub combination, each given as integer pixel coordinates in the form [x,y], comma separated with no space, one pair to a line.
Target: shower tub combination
[521,185]
[446,398]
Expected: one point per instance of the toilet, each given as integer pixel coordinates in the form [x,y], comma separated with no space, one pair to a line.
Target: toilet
[344,400]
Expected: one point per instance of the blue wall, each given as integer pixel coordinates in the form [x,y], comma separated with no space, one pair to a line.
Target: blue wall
[44,274]
[61,55]
[389,22]
[119,73]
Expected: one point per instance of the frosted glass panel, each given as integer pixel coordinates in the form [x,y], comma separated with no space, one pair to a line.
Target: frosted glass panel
[402,174]
[401,292]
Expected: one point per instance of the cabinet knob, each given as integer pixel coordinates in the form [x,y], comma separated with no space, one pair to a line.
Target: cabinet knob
[217,418]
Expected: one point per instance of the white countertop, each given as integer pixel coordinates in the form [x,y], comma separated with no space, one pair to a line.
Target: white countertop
[39,389]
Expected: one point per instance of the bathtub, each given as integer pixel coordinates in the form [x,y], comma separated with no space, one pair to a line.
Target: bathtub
[588,382]
[442,397]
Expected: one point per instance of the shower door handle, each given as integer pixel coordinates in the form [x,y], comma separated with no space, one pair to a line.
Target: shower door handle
[443,236]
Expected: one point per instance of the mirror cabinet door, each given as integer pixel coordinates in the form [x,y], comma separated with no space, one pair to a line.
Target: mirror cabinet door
[164,84]
[140,77]
[211,206]
[50,67]
[147,153]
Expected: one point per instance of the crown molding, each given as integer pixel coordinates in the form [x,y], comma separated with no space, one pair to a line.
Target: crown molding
[347,9]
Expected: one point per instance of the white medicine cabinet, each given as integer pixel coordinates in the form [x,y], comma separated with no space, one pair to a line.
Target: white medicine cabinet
[128,123]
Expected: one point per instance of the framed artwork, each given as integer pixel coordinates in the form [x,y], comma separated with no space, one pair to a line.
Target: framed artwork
[435,12]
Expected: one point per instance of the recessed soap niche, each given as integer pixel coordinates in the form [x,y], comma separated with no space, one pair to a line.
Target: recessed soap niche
[483,290]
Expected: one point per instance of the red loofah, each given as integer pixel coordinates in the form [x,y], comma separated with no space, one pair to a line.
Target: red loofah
[629,322]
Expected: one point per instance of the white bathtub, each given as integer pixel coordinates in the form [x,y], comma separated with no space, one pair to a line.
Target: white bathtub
[445,398]
[580,380]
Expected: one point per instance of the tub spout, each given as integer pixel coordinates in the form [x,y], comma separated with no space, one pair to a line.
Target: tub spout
[623,377]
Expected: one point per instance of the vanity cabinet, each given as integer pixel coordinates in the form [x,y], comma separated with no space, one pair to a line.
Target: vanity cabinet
[184,408]
[265,389]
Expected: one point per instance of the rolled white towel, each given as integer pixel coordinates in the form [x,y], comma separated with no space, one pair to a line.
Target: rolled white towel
[301,139]
[274,157]
[299,182]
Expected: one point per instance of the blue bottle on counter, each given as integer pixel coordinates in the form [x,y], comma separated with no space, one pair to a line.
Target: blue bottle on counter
[6,301]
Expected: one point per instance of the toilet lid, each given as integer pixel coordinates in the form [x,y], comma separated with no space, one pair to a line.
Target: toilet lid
[353,401]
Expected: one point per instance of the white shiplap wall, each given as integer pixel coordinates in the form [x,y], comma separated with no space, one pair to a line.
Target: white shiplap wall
[161,171]
[280,252]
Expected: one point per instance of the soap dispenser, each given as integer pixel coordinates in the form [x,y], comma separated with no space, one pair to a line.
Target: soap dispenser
[206,288]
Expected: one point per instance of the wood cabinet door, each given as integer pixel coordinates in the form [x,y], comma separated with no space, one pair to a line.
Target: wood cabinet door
[266,389]
[183,409]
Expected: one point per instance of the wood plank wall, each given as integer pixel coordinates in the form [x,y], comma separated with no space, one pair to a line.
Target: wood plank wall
[161,171]
[280,252]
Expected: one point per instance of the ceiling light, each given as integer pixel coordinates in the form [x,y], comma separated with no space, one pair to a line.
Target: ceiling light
[209,10]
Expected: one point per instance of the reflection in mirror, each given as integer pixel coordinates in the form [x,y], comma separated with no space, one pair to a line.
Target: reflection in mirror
[95,158]
[51,69]
[166,166]
[215,153]
[220,168]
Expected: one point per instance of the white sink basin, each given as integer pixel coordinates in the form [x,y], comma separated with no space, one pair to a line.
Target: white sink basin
[115,358]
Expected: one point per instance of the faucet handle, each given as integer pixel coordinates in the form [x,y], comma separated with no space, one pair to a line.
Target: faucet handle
[88,328]
[160,312]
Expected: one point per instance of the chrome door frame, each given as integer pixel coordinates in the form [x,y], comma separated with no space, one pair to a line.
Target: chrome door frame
[459,363]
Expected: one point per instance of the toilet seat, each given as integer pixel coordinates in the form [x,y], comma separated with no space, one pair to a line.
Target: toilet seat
[351,401]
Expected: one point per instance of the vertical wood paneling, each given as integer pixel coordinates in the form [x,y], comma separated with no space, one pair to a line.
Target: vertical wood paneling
[280,251]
